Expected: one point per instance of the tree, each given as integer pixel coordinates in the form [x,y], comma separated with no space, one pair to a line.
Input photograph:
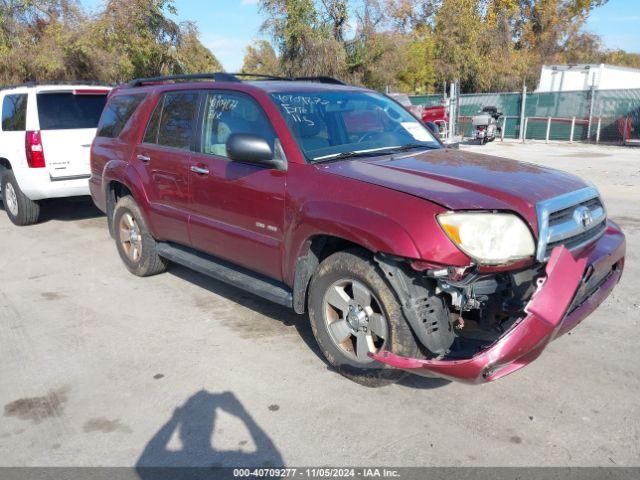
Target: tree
[57,40]
[261,58]
[418,73]
[191,55]
[304,36]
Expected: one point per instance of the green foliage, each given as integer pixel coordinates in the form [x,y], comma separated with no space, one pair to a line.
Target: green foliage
[261,58]
[418,45]
[56,40]
[304,37]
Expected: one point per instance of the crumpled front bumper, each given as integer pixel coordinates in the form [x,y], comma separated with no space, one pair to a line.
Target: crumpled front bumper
[572,290]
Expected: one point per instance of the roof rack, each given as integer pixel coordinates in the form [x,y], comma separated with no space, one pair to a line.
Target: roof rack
[216,77]
[229,77]
[259,75]
[320,79]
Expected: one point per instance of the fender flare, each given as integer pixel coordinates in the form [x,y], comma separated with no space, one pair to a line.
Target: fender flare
[327,219]
[121,172]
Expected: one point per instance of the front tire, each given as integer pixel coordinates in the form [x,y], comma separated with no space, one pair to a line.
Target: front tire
[135,244]
[21,210]
[353,312]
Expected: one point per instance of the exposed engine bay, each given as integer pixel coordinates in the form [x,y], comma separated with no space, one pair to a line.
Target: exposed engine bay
[457,314]
[483,307]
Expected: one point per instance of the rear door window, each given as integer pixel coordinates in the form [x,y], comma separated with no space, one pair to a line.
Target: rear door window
[117,113]
[173,122]
[67,111]
[14,113]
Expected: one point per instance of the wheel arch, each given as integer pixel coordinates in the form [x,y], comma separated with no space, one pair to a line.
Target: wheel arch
[321,228]
[5,165]
[116,183]
[314,250]
[114,191]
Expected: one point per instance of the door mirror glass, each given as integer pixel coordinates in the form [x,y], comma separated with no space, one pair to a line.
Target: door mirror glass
[255,149]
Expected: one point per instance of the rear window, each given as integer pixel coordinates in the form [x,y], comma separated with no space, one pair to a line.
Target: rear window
[66,111]
[117,113]
[14,113]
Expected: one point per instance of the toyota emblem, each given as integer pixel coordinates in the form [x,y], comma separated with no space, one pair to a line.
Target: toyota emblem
[583,217]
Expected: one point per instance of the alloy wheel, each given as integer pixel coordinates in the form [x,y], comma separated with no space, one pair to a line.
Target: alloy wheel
[130,237]
[12,199]
[355,320]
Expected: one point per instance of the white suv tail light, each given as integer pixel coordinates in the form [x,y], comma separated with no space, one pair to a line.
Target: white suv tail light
[34,150]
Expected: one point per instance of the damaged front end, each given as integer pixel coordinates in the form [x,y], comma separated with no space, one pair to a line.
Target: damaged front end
[479,327]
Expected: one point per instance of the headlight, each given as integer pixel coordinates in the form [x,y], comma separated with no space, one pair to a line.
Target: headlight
[489,238]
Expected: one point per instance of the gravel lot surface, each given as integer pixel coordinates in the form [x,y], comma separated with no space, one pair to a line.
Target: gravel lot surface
[98,367]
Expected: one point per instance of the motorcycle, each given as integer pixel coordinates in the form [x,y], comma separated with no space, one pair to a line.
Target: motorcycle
[485,125]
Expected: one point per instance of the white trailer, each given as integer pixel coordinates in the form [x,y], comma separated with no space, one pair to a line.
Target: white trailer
[565,78]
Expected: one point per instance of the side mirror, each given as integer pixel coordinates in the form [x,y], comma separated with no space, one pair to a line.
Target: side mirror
[253,149]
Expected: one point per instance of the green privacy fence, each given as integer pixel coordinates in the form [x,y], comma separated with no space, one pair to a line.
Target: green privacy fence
[599,116]
[427,100]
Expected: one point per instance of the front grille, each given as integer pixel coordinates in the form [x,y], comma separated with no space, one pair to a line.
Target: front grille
[567,213]
[573,220]
[579,240]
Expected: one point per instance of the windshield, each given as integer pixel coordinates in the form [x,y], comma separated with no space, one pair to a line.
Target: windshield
[335,125]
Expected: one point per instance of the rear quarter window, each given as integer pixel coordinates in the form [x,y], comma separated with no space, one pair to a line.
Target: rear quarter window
[67,111]
[117,113]
[173,121]
[14,113]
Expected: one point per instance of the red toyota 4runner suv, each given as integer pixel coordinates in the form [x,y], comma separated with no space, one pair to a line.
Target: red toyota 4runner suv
[334,200]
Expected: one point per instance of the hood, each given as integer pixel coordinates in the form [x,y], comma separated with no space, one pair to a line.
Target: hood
[460,180]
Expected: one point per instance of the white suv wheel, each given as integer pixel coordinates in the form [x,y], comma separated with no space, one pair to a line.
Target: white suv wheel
[12,199]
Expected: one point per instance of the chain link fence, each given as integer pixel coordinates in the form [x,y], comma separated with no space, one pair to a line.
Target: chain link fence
[608,116]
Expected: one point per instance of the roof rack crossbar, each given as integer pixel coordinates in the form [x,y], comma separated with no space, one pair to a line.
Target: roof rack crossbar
[230,77]
[260,75]
[320,79]
[216,77]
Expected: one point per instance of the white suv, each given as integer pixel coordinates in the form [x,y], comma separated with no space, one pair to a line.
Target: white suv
[45,140]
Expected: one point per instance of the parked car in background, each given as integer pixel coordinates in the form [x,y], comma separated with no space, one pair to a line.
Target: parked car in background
[435,115]
[404,100]
[334,200]
[439,116]
[45,139]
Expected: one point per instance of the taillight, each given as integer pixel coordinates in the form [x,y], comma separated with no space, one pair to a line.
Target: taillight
[34,150]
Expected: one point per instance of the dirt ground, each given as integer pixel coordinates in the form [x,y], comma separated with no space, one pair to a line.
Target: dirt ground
[100,368]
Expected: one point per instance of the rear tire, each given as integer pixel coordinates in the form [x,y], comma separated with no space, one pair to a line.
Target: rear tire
[21,210]
[135,244]
[364,310]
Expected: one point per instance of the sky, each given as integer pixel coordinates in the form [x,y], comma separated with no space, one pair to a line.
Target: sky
[228,26]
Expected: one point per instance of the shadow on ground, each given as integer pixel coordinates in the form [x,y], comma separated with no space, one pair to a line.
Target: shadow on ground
[273,311]
[285,316]
[66,209]
[186,440]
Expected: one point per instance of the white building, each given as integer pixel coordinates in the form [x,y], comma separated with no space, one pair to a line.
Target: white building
[564,78]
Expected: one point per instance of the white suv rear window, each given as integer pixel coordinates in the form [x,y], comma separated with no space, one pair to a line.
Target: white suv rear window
[66,111]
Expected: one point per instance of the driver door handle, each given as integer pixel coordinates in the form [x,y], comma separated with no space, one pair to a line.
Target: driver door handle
[144,158]
[199,170]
